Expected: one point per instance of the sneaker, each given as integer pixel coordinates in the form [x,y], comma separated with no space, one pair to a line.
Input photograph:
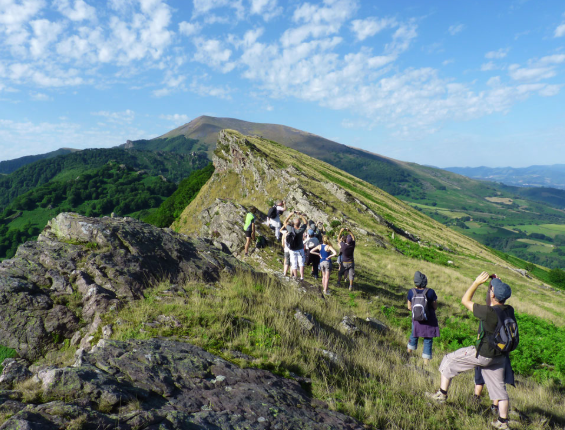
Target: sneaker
[327,293]
[437,397]
[351,288]
[498,425]
[494,410]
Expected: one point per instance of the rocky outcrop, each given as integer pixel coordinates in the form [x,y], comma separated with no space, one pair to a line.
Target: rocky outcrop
[223,224]
[103,262]
[160,384]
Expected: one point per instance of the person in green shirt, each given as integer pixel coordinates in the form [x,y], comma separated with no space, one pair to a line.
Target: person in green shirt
[491,361]
[249,228]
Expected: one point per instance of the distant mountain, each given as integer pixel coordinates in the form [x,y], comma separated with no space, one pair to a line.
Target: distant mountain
[9,166]
[552,176]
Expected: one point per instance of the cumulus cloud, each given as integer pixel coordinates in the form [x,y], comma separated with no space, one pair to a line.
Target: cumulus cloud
[45,33]
[126,116]
[318,20]
[456,28]
[176,118]
[364,28]
[559,31]
[268,9]
[189,28]
[75,11]
[205,7]
[537,69]
[213,53]
[501,53]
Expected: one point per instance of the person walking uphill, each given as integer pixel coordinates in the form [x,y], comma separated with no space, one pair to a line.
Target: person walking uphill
[347,261]
[498,336]
[422,301]
[295,243]
[249,228]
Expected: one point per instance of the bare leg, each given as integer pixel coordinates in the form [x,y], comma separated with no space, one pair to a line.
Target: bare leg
[444,384]
[301,272]
[478,390]
[503,408]
[285,268]
[247,242]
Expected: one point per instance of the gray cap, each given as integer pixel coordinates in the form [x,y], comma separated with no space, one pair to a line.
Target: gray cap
[501,290]
[420,280]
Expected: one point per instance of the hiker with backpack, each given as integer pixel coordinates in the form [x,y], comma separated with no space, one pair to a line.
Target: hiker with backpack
[249,228]
[347,248]
[295,243]
[498,336]
[274,217]
[422,302]
[326,253]
[286,258]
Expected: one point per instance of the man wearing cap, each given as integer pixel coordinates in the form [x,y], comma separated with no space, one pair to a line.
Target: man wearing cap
[491,361]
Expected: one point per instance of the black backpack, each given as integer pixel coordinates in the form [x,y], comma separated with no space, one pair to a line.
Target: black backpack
[261,242]
[272,212]
[505,337]
[419,304]
[292,240]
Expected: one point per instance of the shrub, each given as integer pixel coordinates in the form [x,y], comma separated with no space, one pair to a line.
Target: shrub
[335,224]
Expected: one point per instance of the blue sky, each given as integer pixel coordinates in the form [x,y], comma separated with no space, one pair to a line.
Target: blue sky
[436,82]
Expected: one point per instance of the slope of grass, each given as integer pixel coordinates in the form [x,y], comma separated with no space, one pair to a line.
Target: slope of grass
[4,354]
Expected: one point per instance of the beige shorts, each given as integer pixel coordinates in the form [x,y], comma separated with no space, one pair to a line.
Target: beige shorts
[465,359]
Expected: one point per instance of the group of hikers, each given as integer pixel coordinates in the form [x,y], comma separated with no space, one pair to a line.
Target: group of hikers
[305,243]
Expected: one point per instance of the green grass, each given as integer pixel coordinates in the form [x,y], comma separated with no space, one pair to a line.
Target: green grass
[5,353]
[550,230]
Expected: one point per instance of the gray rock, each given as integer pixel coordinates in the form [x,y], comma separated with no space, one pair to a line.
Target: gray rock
[348,327]
[15,370]
[173,385]
[109,260]
[306,321]
[376,324]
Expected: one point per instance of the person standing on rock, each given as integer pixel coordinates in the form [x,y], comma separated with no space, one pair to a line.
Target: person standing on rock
[326,253]
[295,243]
[422,301]
[274,217]
[490,353]
[249,228]
[347,248]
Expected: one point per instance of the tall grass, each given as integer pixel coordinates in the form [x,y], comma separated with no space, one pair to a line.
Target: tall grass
[373,379]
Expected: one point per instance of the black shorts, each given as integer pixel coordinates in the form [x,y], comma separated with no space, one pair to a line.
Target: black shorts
[248,233]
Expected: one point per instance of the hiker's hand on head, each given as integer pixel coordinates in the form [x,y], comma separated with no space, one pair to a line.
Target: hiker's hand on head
[482,278]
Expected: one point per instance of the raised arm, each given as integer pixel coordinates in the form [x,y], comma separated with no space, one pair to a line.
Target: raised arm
[467,299]
[316,250]
[287,218]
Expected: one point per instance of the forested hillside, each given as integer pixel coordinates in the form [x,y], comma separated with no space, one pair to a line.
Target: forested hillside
[9,166]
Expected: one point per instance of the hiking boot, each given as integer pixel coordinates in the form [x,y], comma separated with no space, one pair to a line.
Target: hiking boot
[437,397]
[498,425]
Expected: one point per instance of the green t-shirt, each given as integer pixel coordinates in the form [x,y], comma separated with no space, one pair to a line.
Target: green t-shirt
[249,220]
[489,320]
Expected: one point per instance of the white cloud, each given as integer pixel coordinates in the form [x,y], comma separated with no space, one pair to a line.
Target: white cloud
[501,53]
[559,31]
[77,11]
[45,32]
[213,53]
[456,28]
[40,97]
[189,28]
[205,7]
[318,20]
[364,28]
[485,67]
[268,9]
[402,38]
[449,61]
[550,90]
[126,116]
[176,118]
[537,69]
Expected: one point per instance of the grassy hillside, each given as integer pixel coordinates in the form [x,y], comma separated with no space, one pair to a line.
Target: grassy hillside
[9,166]
[96,192]
[371,378]
[447,197]
[173,167]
